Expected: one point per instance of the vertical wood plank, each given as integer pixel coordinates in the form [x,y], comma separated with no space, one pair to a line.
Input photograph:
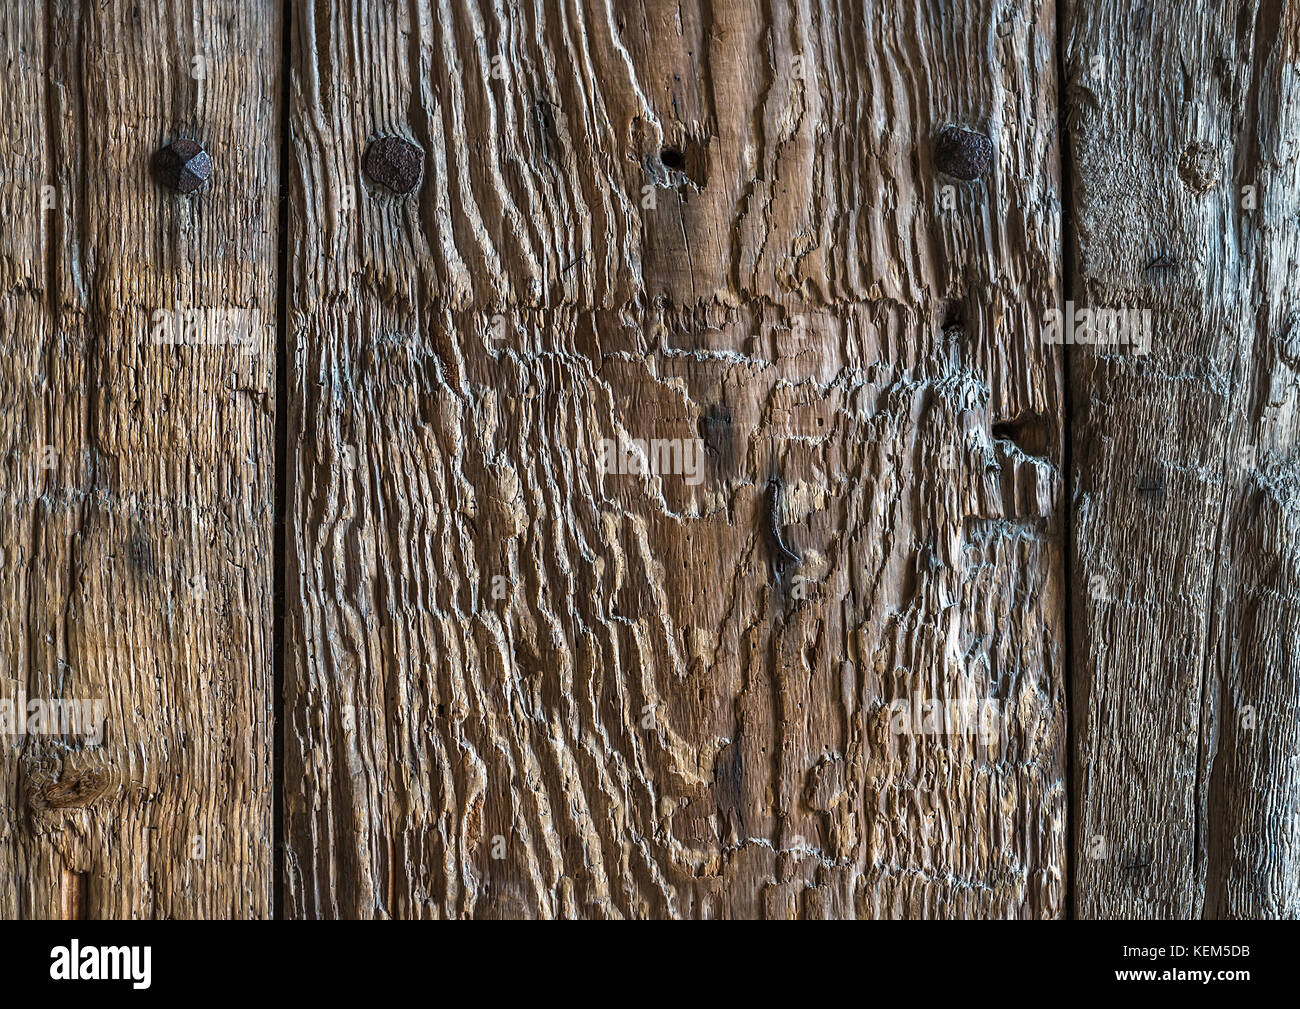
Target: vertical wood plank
[1182,135]
[25,328]
[519,685]
[137,551]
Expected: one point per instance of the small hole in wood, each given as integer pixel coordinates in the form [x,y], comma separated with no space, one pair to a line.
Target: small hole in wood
[686,161]
[673,159]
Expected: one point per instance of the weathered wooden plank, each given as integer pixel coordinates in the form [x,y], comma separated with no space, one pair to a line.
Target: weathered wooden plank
[1182,128]
[24,329]
[137,545]
[518,685]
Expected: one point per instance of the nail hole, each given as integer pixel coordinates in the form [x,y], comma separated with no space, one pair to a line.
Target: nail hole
[686,162]
[673,159]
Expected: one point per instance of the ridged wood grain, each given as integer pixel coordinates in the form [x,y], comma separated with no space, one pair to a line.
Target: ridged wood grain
[650,718]
[136,548]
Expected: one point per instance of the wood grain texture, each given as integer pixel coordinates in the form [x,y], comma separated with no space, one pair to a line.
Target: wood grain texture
[1182,130]
[518,686]
[136,546]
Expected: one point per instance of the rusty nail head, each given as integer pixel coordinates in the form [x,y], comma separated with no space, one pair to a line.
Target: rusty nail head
[963,154]
[394,163]
[183,166]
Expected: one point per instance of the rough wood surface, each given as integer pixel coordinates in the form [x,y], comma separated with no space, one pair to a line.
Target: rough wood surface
[518,682]
[136,548]
[1182,134]
[519,686]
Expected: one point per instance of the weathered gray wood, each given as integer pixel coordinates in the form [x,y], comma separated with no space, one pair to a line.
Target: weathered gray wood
[647,719]
[1185,603]
[136,540]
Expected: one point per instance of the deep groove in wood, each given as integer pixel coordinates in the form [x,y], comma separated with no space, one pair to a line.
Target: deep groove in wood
[1066,155]
[75,896]
[282,375]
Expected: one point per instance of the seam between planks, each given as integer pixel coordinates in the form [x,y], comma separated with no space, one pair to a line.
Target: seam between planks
[1064,154]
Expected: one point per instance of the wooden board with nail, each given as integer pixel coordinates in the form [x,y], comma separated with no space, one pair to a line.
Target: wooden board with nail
[137,459]
[521,683]
[648,460]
